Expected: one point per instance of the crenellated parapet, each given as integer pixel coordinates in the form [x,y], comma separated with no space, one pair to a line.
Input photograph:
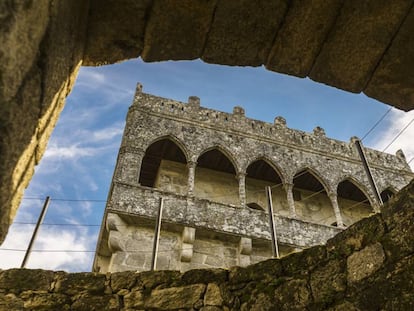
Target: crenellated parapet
[278,132]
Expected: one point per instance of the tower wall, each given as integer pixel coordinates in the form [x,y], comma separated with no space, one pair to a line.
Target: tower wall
[211,169]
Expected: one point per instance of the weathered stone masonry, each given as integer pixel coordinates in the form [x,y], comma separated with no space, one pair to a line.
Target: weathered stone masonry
[369,266]
[211,168]
[358,46]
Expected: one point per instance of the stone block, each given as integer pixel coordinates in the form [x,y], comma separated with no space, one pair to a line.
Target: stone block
[95,303]
[23,27]
[211,308]
[204,276]
[173,33]
[356,43]
[19,280]
[199,258]
[163,261]
[136,259]
[245,246]
[134,300]
[264,271]
[327,281]
[214,261]
[392,81]
[10,302]
[292,295]
[45,301]
[175,297]
[366,231]
[75,283]
[118,259]
[123,280]
[398,217]
[365,262]
[115,31]
[188,235]
[301,36]
[213,297]
[244,260]
[151,279]
[242,32]
[311,257]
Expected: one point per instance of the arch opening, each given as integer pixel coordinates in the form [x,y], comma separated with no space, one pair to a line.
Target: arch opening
[164,167]
[352,202]
[387,194]
[260,174]
[255,206]
[215,178]
[311,200]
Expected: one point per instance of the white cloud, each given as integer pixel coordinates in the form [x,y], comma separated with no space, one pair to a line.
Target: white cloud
[69,152]
[90,78]
[397,121]
[108,133]
[49,238]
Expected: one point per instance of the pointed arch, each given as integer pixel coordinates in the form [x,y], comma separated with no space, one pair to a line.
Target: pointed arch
[221,154]
[300,176]
[344,193]
[173,139]
[261,173]
[275,168]
[353,199]
[310,193]
[163,155]
[215,176]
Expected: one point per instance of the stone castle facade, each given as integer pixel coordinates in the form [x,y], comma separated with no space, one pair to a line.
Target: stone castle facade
[211,169]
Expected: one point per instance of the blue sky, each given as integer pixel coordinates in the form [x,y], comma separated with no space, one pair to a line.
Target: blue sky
[77,167]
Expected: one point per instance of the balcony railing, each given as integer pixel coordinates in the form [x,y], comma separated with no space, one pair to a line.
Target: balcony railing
[142,202]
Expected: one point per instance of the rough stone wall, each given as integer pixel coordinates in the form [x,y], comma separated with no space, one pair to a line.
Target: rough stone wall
[40,52]
[340,43]
[370,266]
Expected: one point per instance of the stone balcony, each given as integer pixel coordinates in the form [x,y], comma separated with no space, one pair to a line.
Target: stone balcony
[137,204]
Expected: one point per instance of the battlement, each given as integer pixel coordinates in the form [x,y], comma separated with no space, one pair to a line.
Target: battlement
[278,132]
[207,171]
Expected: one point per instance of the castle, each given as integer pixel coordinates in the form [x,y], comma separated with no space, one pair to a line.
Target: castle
[211,168]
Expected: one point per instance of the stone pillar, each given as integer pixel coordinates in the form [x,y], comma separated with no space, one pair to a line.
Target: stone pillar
[289,196]
[245,250]
[241,177]
[334,200]
[128,165]
[188,237]
[191,165]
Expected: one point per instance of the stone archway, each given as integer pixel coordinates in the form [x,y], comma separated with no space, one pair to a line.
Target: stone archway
[43,45]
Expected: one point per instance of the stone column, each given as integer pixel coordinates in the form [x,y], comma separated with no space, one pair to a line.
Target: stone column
[334,200]
[241,177]
[191,165]
[128,165]
[289,196]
